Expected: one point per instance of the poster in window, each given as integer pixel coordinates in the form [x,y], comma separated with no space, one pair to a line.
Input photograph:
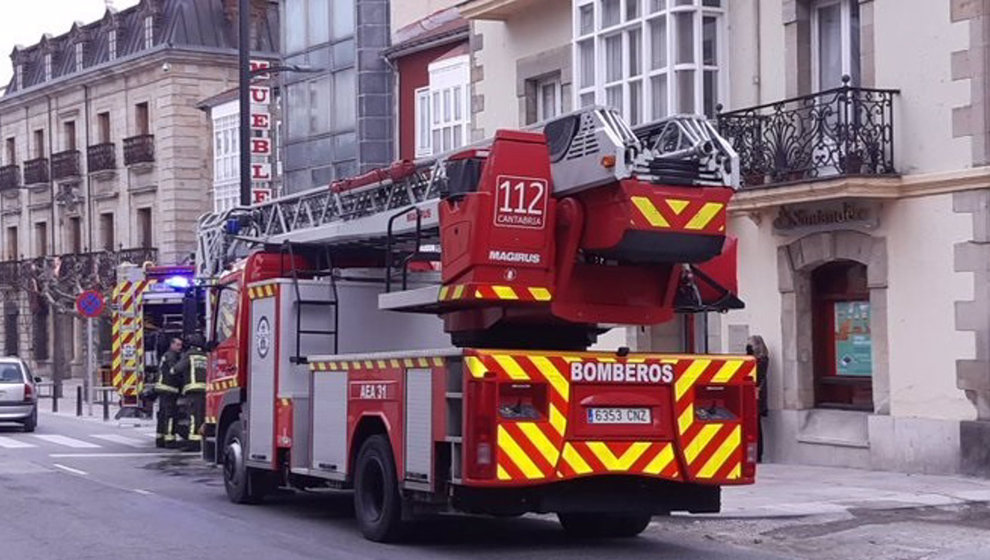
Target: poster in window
[853,344]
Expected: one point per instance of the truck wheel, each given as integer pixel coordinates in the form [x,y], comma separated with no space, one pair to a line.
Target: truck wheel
[604,525]
[244,485]
[377,503]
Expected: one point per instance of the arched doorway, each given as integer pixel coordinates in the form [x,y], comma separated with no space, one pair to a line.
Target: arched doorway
[842,340]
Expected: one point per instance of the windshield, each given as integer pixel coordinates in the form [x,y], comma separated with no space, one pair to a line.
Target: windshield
[10,373]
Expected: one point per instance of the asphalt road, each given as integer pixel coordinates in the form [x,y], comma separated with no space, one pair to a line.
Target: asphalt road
[80,490]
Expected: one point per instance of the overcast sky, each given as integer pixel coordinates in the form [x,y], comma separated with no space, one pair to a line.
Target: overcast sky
[22,22]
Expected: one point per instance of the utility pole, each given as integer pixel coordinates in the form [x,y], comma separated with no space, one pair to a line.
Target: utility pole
[244,67]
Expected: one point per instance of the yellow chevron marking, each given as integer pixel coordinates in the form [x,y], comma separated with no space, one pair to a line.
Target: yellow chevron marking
[504,292]
[736,472]
[333,366]
[502,475]
[557,420]
[541,294]
[727,371]
[686,419]
[458,291]
[381,364]
[475,366]
[699,443]
[650,212]
[443,293]
[661,461]
[549,371]
[677,206]
[540,441]
[716,461]
[423,362]
[575,460]
[117,379]
[478,294]
[704,216]
[271,290]
[517,455]
[393,363]
[690,375]
[614,463]
[407,362]
[511,367]
[438,362]
[368,364]
[355,365]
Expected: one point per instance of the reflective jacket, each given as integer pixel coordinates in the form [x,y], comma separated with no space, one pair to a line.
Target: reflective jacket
[191,370]
[167,381]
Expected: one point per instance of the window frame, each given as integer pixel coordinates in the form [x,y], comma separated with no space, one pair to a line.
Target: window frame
[450,88]
[112,44]
[423,130]
[49,71]
[79,55]
[558,98]
[846,56]
[599,86]
[148,30]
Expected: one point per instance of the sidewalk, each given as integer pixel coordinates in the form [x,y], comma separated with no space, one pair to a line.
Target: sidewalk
[798,490]
[67,405]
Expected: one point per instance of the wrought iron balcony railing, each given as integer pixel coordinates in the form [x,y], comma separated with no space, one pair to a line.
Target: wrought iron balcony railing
[36,171]
[846,131]
[10,177]
[65,165]
[139,149]
[101,157]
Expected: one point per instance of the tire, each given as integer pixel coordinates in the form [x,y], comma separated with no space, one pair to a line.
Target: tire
[32,421]
[604,525]
[377,503]
[244,485]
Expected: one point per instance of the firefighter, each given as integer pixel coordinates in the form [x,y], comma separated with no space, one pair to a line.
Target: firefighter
[191,369]
[167,388]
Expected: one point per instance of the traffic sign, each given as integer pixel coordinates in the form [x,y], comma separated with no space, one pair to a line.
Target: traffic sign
[90,304]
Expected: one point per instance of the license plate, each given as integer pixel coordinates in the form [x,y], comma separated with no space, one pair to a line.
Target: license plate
[619,416]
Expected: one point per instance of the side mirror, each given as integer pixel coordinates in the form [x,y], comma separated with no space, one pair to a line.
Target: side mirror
[37,379]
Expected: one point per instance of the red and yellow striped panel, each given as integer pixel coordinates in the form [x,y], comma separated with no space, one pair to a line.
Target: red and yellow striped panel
[385,364]
[493,292]
[649,458]
[711,450]
[676,214]
[261,292]
[222,384]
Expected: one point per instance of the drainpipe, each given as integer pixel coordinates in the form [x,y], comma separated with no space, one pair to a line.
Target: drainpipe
[89,194]
[757,13]
[56,346]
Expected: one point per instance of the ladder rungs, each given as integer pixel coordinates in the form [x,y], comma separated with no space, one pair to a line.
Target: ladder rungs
[308,331]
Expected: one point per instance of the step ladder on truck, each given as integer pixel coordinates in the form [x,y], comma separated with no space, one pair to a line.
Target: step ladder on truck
[420,334]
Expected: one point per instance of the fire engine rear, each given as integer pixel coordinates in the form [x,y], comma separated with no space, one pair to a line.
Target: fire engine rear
[420,334]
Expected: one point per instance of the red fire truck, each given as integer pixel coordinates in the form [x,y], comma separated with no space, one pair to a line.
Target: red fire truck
[420,333]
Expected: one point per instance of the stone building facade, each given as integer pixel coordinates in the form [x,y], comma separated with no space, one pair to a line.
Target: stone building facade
[102,158]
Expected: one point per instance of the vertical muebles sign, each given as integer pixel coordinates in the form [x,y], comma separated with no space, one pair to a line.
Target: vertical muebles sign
[261,132]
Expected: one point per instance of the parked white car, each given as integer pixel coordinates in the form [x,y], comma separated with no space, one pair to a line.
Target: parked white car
[18,393]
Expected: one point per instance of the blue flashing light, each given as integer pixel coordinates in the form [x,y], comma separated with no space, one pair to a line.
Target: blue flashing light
[177,282]
[233,226]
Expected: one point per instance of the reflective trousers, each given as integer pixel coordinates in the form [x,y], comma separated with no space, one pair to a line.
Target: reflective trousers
[168,412]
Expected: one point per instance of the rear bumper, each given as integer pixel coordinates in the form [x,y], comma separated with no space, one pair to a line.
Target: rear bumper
[16,411]
[598,494]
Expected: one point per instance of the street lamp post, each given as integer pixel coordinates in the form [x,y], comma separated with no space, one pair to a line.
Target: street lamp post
[244,65]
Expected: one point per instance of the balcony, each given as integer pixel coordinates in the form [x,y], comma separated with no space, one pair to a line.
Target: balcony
[139,149]
[495,9]
[59,277]
[36,171]
[842,132]
[65,165]
[10,177]
[101,157]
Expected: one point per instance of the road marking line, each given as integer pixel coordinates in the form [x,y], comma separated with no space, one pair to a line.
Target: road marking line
[124,440]
[11,443]
[70,469]
[68,442]
[143,492]
[120,455]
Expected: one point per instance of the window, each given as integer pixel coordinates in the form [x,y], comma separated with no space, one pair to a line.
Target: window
[39,325]
[74,241]
[80,62]
[227,313]
[649,58]
[313,22]
[549,98]
[12,243]
[423,147]
[69,135]
[447,111]
[11,151]
[48,67]
[835,40]
[149,32]
[322,105]
[41,239]
[226,170]
[103,126]
[19,76]
[39,143]
[11,329]
[106,231]
[112,44]
[144,228]
[141,118]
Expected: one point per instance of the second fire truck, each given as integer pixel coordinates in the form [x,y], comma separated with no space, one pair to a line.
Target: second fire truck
[420,334]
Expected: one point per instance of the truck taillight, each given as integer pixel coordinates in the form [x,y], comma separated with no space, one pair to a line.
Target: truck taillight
[751,428]
[28,392]
[480,426]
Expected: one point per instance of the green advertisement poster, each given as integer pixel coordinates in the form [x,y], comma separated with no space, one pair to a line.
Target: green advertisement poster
[853,345]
